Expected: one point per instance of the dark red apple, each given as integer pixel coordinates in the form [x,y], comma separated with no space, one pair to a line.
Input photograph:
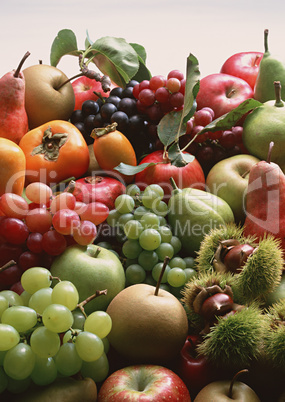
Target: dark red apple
[84,88]
[222,93]
[244,65]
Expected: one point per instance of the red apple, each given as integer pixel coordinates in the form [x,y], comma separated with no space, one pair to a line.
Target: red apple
[222,93]
[143,382]
[191,175]
[244,65]
[84,88]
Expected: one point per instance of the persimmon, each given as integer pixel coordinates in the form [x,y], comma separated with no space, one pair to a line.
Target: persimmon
[111,147]
[54,152]
[12,167]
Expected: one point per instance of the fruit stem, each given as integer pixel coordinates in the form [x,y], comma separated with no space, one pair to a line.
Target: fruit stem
[92,297]
[176,190]
[165,262]
[270,152]
[70,79]
[266,41]
[17,71]
[7,265]
[230,393]
[99,132]
[278,99]
[93,253]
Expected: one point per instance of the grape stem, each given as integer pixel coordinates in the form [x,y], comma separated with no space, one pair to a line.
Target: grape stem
[7,265]
[165,262]
[92,297]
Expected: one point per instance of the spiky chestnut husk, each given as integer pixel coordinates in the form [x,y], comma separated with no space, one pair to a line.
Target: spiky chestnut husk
[274,334]
[235,340]
[261,273]
[211,242]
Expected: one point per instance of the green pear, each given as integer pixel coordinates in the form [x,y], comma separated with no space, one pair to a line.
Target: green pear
[271,68]
[265,124]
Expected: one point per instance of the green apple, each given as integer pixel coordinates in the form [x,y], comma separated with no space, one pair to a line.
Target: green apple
[46,99]
[228,179]
[91,268]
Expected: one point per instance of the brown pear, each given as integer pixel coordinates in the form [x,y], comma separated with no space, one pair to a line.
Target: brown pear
[13,115]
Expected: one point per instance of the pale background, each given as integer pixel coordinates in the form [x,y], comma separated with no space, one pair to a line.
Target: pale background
[169,30]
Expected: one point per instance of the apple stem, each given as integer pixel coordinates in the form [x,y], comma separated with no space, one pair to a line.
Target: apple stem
[92,297]
[278,99]
[70,79]
[17,71]
[7,265]
[94,253]
[271,145]
[165,262]
[230,394]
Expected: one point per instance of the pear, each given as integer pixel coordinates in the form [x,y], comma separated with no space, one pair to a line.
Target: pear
[13,116]
[264,124]
[271,69]
[265,200]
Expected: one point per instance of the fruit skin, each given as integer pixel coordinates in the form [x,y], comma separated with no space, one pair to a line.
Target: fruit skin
[13,115]
[12,167]
[72,158]
[244,65]
[193,213]
[146,383]
[64,389]
[157,329]
[191,175]
[43,101]
[222,93]
[90,272]
[228,179]
[83,88]
[217,391]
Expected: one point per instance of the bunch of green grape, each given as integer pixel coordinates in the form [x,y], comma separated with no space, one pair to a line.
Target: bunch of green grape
[45,334]
[141,221]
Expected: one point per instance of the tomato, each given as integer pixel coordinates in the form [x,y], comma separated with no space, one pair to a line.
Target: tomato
[54,152]
[111,147]
[12,167]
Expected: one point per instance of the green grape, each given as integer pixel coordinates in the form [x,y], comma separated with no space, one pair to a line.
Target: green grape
[70,335]
[4,304]
[99,323]
[176,277]
[156,270]
[124,203]
[189,261]
[133,229]
[3,380]
[176,244]
[36,278]
[45,371]
[57,318]
[164,250]
[165,233]
[131,248]
[133,190]
[14,299]
[9,337]
[177,262]
[157,189]
[78,319]
[106,344]
[120,235]
[140,211]
[149,239]
[44,342]
[149,220]
[65,293]
[149,198]
[18,386]
[2,355]
[22,318]
[147,259]
[124,218]
[98,370]
[162,221]
[160,208]
[19,361]
[113,217]
[105,244]
[67,360]
[89,346]
[190,273]
[130,261]
[25,297]
[135,273]
[40,299]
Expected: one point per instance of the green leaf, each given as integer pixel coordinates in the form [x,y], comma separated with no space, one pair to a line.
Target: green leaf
[64,43]
[191,87]
[130,170]
[143,72]
[228,120]
[116,58]
[168,127]
[140,51]
[176,156]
